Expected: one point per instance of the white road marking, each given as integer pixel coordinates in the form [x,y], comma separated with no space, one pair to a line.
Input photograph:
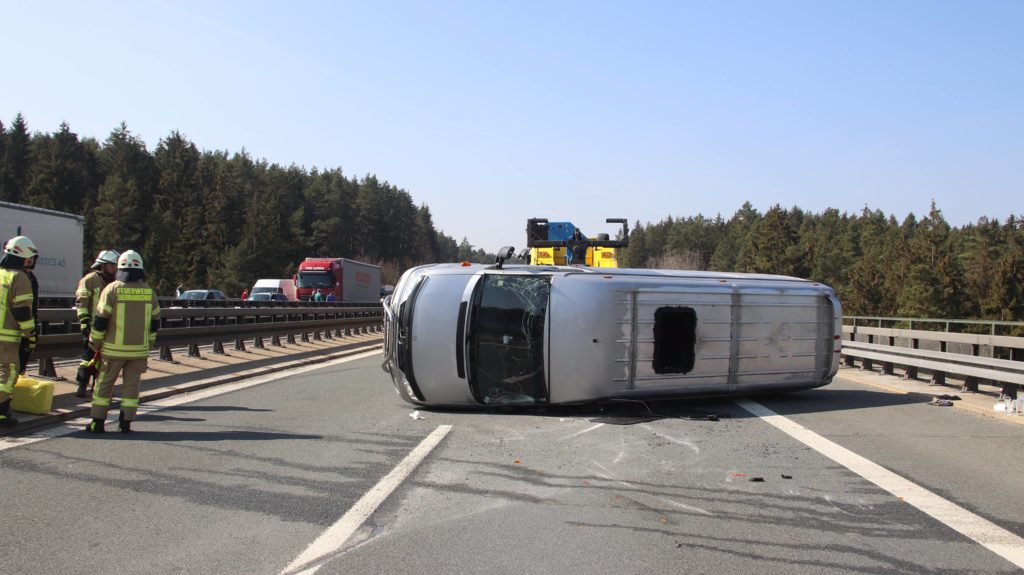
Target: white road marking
[71,426]
[336,535]
[689,507]
[581,432]
[996,539]
[667,437]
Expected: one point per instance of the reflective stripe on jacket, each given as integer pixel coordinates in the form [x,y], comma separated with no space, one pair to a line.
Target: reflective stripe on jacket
[88,293]
[130,308]
[15,292]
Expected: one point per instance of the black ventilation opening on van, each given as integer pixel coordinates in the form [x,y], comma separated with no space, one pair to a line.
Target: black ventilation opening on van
[675,337]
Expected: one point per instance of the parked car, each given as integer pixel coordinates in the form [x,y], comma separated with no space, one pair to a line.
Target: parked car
[203,294]
[265,296]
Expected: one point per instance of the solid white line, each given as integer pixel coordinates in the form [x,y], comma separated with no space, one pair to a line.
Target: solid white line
[998,540]
[336,535]
[69,427]
[581,432]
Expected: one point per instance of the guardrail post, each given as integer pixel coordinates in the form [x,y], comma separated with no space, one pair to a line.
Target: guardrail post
[305,337]
[46,368]
[239,344]
[193,350]
[218,347]
[291,338]
[911,372]
[865,363]
[165,354]
[939,377]
[316,335]
[887,366]
[328,334]
[971,382]
[847,359]
[275,341]
[257,342]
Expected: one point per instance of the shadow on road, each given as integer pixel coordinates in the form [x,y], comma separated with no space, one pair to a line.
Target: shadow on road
[167,436]
[631,411]
[212,408]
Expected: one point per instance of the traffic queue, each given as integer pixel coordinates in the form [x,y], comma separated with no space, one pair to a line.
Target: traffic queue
[118,316]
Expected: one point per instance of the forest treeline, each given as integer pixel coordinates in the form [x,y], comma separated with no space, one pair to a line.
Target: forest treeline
[879,266]
[220,219]
[213,218]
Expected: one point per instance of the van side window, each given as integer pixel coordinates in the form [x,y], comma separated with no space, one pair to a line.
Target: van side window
[675,339]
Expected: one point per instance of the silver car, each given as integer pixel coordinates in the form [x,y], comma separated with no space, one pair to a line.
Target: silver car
[471,334]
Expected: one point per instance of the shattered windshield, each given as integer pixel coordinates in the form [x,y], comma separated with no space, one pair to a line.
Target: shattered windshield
[506,352]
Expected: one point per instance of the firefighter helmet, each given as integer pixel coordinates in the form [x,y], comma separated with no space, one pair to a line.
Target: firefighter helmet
[21,247]
[106,257]
[129,260]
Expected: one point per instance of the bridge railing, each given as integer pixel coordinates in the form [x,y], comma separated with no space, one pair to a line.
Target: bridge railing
[194,326]
[975,350]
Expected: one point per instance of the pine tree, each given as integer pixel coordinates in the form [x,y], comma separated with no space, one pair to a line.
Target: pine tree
[63,173]
[123,213]
[17,161]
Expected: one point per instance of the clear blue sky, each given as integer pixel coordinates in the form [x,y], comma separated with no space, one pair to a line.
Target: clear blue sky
[494,112]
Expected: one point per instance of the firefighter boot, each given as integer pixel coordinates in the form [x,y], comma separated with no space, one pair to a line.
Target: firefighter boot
[6,419]
[123,424]
[95,426]
[83,380]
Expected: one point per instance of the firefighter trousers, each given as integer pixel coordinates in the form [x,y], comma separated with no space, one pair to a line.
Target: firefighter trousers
[83,367]
[9,367]
[131,371]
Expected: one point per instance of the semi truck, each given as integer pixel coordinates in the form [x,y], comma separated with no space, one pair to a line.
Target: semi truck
[58,236]
[347,279]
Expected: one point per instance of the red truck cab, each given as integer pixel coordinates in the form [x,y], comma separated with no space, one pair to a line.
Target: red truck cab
[348,280]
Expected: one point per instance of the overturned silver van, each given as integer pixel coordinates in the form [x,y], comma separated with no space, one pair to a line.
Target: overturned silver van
[465,335]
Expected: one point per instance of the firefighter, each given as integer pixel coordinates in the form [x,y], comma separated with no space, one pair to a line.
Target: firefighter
[15,318]
[86,296]
[123,329]
[29,345]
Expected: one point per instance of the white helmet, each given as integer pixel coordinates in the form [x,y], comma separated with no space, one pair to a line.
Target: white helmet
[105,257]
[129,260]
[21,247]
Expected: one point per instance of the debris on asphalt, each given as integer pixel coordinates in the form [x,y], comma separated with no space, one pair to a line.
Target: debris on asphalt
[416,415]
[948,397]
[941,402]
[756,479]
[784,476]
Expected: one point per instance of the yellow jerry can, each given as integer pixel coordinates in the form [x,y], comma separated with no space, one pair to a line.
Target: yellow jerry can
[32,396]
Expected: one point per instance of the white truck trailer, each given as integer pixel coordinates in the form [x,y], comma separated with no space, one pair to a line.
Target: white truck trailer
[58,235]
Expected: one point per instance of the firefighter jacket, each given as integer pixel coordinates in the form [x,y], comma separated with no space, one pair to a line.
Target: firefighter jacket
[15,307]
[87,294]
[127,317]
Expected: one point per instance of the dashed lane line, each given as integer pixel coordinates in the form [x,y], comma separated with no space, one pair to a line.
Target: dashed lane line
[996,539]
[334,538]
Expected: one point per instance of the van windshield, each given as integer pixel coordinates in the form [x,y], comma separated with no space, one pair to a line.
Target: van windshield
[314,280]
[506,342]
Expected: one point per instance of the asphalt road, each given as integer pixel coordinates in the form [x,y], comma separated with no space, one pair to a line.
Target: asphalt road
[243,479]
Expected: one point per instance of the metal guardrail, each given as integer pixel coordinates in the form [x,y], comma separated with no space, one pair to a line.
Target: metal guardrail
[194,326]
[961,324]
[903,346]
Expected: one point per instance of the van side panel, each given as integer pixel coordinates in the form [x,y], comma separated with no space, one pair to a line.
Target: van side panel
[584,339]
[749,336]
